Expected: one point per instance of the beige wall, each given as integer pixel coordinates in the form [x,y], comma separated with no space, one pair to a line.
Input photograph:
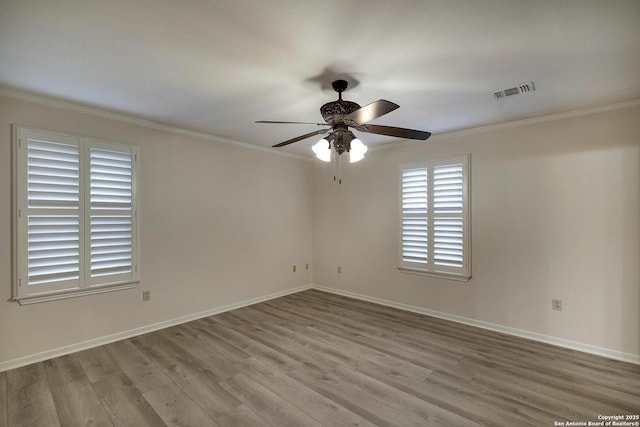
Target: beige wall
[219,224]
[555,214]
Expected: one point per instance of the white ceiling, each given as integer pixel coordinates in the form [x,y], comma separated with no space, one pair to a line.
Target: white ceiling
[217,66]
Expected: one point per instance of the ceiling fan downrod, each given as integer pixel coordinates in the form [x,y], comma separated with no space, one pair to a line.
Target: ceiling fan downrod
[340,86]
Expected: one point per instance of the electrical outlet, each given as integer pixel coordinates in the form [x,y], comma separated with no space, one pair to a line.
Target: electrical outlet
[306,266]
[294,268]
[146,295]
[339,270]
[556,304]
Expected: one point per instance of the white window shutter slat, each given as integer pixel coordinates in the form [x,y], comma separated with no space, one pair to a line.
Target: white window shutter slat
[434,213]
[448,229]
[415,240]
[415,235]
[53,248]
[53,175]
[111,202]
[75,215]
[53,203]
[414,191]
[448,242]
[447,188]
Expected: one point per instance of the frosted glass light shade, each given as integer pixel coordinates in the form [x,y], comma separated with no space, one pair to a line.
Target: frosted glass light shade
[356,153]
[322,150]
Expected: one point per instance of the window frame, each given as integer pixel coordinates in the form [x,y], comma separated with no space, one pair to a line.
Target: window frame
[430,269]
[85,285]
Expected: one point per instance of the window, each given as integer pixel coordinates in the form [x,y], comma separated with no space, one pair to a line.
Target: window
[75,221]
[434,218]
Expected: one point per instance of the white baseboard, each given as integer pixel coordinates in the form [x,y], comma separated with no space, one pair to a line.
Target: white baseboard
[95,342]
[560,342]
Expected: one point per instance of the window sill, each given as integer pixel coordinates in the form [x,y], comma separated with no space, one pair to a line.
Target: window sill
[446,276]
[58,295]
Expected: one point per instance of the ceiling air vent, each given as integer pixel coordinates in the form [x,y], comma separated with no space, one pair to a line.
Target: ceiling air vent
[516,90]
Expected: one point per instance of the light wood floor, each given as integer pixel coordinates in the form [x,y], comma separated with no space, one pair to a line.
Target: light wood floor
[318,359]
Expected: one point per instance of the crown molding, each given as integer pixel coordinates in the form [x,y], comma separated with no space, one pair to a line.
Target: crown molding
[49,101]
[634,103]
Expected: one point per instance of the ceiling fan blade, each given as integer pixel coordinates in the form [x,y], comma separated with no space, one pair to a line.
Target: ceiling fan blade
[394,131]
[371,111]
[291,123]
[301,137]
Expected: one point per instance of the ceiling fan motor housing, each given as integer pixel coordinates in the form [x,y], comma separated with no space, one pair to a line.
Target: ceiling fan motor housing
[333,112]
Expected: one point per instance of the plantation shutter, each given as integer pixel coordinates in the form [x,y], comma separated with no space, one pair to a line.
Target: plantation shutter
[448,229]
[434,217]
[75,217]
[110,206]
[415,239]
[53,214]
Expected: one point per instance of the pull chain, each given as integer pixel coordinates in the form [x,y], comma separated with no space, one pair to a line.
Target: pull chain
[333,157]
[336,159]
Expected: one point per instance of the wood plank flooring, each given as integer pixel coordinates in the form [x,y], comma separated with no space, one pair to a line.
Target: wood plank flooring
[318,359]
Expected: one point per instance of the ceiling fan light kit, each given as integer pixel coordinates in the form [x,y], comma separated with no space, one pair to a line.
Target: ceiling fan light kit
[322,149]
[357,151]
[354,147]
[340,115]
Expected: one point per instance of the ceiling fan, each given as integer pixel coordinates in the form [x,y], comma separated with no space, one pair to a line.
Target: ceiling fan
[341,115]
